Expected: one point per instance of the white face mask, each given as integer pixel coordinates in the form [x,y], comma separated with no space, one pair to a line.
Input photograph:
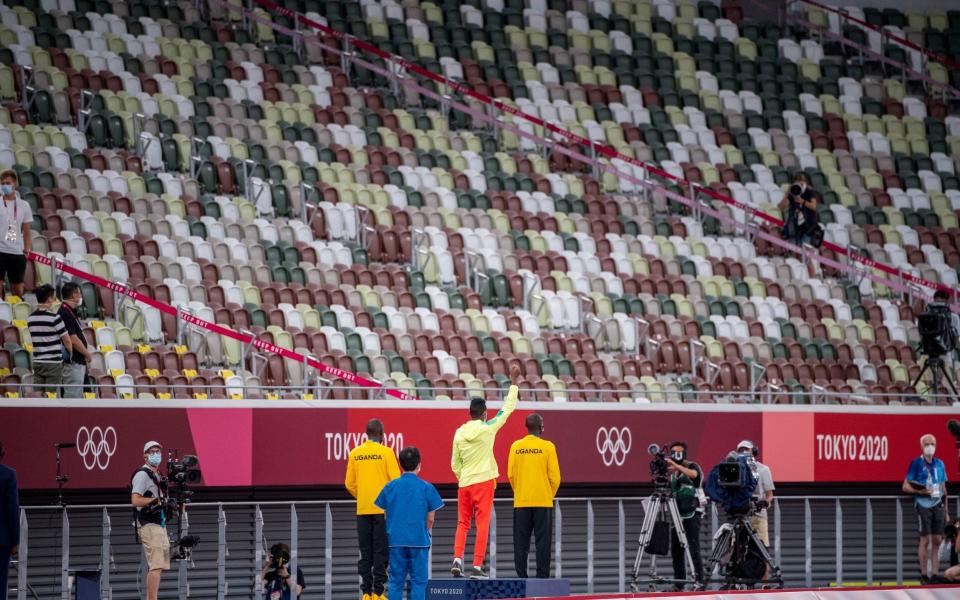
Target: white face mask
[929,449]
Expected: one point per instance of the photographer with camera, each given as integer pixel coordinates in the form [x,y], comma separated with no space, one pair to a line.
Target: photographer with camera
[800,223]
[926,480]
[276,575]
[949,549]
[149,503]
[686,480]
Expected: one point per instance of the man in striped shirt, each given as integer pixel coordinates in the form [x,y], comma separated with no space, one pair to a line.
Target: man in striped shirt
[50,339]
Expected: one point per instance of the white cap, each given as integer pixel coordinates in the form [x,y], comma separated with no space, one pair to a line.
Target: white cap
[151,444]
[745,444]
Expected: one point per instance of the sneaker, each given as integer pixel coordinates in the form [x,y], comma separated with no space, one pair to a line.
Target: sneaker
[457,569]
[477,573]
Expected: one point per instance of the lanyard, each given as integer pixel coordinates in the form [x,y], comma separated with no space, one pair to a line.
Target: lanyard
[14,209]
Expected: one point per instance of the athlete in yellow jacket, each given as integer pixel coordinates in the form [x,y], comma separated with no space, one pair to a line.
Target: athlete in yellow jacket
[370,467]
[534,474]
[476,469]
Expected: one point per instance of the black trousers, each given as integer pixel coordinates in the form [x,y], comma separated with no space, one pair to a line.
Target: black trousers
[374,553]
[538,521]
[4,566]
[691,527]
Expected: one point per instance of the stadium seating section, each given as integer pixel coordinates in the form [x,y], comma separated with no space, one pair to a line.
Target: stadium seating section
[440,251]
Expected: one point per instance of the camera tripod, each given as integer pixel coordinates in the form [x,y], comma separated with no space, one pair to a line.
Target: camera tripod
[935,365]
[662,506]
[730,551]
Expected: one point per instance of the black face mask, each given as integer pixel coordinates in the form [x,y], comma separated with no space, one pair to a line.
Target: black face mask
[679,456]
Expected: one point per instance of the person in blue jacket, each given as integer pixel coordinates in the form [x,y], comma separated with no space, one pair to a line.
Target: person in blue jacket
[411,505]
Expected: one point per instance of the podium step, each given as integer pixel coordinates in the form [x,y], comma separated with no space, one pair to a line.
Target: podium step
[484,589]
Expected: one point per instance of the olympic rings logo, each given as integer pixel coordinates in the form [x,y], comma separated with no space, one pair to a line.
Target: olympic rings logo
[95,446]
[613,445]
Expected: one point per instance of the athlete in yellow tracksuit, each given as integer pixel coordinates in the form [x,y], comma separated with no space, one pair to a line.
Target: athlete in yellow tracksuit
[476,469]
[370,467]
[534,474]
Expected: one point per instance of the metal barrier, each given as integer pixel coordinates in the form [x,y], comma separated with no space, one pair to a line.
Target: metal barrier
[678,391]
[599,532]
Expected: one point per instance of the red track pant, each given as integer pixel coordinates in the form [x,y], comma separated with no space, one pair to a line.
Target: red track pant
[474,498]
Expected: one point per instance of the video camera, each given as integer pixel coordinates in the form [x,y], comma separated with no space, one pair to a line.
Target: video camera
[731,484]
[658,466]
[181,474]
[937,336]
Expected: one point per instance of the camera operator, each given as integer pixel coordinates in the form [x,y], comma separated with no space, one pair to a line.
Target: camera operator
[148,500]
[276,574]
[686,479]
[763,491]
[926,481]
[800,216]
[952,542]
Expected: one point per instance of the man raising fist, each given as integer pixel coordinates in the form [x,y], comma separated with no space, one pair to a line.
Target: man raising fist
[476,469]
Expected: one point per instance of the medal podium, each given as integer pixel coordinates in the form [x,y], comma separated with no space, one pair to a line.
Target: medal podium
[483,589]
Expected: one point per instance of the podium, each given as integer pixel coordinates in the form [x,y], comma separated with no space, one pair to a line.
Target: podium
[484,589]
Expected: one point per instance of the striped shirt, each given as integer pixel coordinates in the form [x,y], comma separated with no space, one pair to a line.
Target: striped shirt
[45,331]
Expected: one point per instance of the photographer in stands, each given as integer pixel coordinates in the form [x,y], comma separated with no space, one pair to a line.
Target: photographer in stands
[926,480]
[800,221]
[276,576]
[686,481]
[149,503]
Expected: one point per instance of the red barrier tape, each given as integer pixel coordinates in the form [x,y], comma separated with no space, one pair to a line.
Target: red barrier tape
[259,344]
[601,149]
[944,60]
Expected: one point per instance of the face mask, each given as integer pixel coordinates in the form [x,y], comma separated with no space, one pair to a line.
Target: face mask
[929,449]
[79,301]
[154,459]
[678,456]
[746,453]
[6,189]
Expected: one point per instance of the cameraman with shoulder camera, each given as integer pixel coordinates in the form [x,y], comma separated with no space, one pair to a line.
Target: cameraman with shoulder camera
[148,500]
[276,574]
[686,479]
[763,493]
[799,205]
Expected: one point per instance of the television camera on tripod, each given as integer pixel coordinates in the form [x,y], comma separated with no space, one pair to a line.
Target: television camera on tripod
[739,557]
[937,326]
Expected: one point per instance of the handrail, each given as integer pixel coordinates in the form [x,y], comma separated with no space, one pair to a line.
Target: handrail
[598,148]
[944,60]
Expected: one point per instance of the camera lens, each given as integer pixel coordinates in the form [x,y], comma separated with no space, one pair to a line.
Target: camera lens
[795,190]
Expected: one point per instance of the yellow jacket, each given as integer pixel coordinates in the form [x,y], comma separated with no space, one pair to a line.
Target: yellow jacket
[472,460]
[370,467]
[534,472]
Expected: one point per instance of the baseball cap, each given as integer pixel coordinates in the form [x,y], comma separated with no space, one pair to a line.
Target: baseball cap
[151,444]
[745,444]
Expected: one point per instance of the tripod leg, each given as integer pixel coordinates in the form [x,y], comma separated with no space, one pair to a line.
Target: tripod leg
[682,537]
[774,570]
[926,366]
[646,532]
[946,375]
[719,549]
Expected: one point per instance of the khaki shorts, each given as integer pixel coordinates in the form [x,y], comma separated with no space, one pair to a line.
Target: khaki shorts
[156,546]
[759,525]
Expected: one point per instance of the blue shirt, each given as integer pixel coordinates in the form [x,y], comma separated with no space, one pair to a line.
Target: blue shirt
[930,474]
[407,500]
